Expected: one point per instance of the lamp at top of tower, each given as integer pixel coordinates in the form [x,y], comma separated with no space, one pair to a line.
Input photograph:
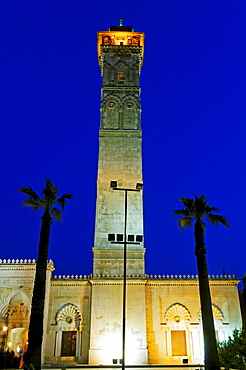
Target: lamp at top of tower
[120,36]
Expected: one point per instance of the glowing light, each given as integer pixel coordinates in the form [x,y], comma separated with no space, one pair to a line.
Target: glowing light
[10,343]
[113,347]
[111,344]
[5,328]
[120,38]
[131,349]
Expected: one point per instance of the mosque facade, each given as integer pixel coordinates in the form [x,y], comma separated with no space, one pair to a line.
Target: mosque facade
[84,320]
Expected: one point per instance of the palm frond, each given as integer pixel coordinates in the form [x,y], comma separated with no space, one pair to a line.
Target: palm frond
[200,205]
[68,195]
[184,212]
[196,210]
[56,213]
[185,222]
[30,193]
[50,192]
[210,209]
[187,202]
[201,198]
[62,200]
[31,203]
[217,220]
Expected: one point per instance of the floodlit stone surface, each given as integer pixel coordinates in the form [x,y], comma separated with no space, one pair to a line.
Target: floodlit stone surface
[120,153]
[163,316]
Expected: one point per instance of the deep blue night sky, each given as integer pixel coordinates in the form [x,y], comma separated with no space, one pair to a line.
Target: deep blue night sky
[193,119]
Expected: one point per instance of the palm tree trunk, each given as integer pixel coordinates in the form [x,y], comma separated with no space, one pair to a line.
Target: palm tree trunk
[210,346]
[35,334]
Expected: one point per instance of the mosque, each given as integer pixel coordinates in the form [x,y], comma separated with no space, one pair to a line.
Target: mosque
[88,319]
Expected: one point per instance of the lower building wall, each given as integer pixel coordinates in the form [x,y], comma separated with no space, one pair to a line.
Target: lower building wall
[106,323]
[68,328]
[174,325]
[163,320]
[83,317]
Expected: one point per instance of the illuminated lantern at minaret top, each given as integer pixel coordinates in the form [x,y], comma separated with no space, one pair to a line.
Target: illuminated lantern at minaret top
[120,56]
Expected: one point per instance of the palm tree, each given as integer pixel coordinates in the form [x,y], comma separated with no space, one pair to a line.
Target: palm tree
[50,198]
[195,211]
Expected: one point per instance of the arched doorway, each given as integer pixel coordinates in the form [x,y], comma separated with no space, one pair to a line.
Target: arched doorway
[68,338]
[15,315]
[177,318]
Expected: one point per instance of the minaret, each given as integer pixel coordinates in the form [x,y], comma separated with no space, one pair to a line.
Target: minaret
[120,56]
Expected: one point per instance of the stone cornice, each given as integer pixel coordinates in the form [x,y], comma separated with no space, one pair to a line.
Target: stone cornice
[119,89]
[131,249]
[191,283]
[22,264]
[136,49]
[174,280]
[71,277]
[191,277]
[17,261]
[30,264]
[70,282]
[118,282]
[121,133]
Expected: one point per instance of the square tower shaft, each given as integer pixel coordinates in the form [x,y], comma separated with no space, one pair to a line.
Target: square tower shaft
[120,55]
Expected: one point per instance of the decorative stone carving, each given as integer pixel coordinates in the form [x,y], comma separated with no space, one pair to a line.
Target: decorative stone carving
[217,313]
[131,113]
[177,312]
[121,66]
[69,313]
[16,282]
[110,112]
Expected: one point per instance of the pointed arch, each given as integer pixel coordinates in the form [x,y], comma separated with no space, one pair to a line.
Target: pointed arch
[18,297]
[121,66]
[110,108]
[131,98]
[131,113]
[109,73]
[108,98]
[134,73]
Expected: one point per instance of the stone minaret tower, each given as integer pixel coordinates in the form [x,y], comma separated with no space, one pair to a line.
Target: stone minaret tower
[120,55]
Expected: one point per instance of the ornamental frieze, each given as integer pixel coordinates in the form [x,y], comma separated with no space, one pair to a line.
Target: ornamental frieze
[16,281]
